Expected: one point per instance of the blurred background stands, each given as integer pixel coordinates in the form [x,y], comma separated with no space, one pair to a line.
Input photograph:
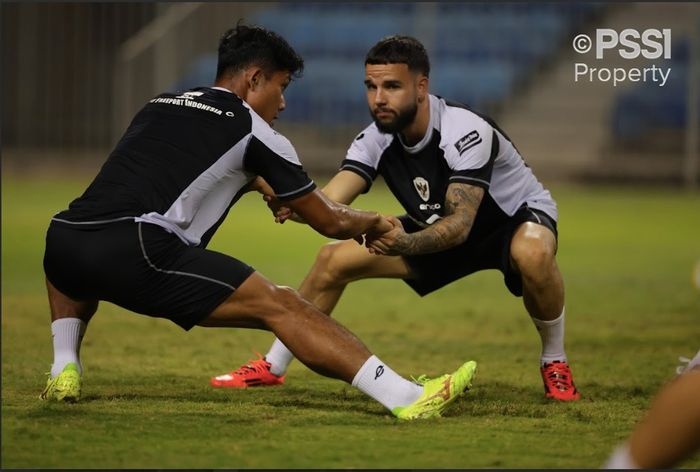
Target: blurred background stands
[75,74]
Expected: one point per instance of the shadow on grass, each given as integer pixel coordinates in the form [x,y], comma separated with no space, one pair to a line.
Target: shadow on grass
[590,392]
[493,399]
[598,401]
[210,400]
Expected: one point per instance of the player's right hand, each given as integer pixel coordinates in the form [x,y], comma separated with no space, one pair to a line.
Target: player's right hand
[384,225]
[281,212]
[385,244]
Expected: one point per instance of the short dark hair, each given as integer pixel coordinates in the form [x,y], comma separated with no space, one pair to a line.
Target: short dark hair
[399,49]
[246,45]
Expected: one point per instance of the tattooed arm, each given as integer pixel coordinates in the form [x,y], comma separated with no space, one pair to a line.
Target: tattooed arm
[461,204]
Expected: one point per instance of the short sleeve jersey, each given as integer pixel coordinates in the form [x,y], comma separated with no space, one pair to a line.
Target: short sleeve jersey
[460,146]
[184,160]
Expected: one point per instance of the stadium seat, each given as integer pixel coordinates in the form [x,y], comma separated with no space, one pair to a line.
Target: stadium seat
[648,107]
[474,83]
[479,51]
[201,72]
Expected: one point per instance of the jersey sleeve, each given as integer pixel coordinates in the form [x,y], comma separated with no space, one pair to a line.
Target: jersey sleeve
[364,155]
[470,153]
[271,156]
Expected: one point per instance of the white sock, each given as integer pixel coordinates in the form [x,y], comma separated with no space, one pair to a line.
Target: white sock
[552,336]
[621,459]
[67,335]
[380,382]
[279,357]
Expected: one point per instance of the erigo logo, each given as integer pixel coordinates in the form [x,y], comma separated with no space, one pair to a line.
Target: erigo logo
[630,43]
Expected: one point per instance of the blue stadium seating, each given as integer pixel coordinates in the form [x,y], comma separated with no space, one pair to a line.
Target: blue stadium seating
[331,92]
[474,82]
[201,72]
[648,106]
[480,52]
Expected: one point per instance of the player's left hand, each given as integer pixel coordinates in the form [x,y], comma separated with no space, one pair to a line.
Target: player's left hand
[386,244]
[383,226]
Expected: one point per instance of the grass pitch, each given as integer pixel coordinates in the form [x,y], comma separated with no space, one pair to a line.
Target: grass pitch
[626,254]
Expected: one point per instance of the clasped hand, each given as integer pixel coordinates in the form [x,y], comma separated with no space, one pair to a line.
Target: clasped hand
[279,211]
[381,240]
[387,243]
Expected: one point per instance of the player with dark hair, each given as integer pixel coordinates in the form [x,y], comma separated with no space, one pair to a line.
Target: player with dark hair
[471,201]
[137,237]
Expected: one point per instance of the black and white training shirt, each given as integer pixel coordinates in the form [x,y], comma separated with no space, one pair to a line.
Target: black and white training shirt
[184,161]
[460,146]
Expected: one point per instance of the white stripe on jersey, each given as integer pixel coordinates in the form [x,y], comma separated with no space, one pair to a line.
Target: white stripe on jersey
[206,199]
[368,149]
[512,182]
[286,194]
[277,143]
[456,124]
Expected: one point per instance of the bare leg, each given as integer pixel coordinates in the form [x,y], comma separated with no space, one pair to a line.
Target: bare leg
[315,339]
[336,265]
[62,306]
[318,341]
[533,251]
[340,263]
[671,430]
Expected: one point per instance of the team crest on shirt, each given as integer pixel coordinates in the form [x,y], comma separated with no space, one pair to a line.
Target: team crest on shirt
[422,188]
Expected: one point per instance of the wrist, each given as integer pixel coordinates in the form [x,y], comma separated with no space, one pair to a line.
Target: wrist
[403,244]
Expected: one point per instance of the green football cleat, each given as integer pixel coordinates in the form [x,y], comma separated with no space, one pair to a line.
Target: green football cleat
[438,393]
[65,387]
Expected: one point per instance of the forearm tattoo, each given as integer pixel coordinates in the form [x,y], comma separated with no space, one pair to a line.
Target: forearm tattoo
[461,204]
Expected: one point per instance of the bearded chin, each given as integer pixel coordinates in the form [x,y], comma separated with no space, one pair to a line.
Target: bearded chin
[402,119]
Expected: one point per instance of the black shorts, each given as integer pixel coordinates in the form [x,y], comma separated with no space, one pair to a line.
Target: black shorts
[140,267]
[482,250]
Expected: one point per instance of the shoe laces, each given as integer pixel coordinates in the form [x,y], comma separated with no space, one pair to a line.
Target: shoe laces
[421,379]
[258,366]
[558,374]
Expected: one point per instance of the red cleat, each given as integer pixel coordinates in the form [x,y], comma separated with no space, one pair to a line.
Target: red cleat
[558,382]
[254,374]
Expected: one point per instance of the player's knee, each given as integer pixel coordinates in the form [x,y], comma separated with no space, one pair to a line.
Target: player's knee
[288,298]
[329,269]
[533,254]
[283,301]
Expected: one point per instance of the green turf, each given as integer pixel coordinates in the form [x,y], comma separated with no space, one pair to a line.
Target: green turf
[626,255]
